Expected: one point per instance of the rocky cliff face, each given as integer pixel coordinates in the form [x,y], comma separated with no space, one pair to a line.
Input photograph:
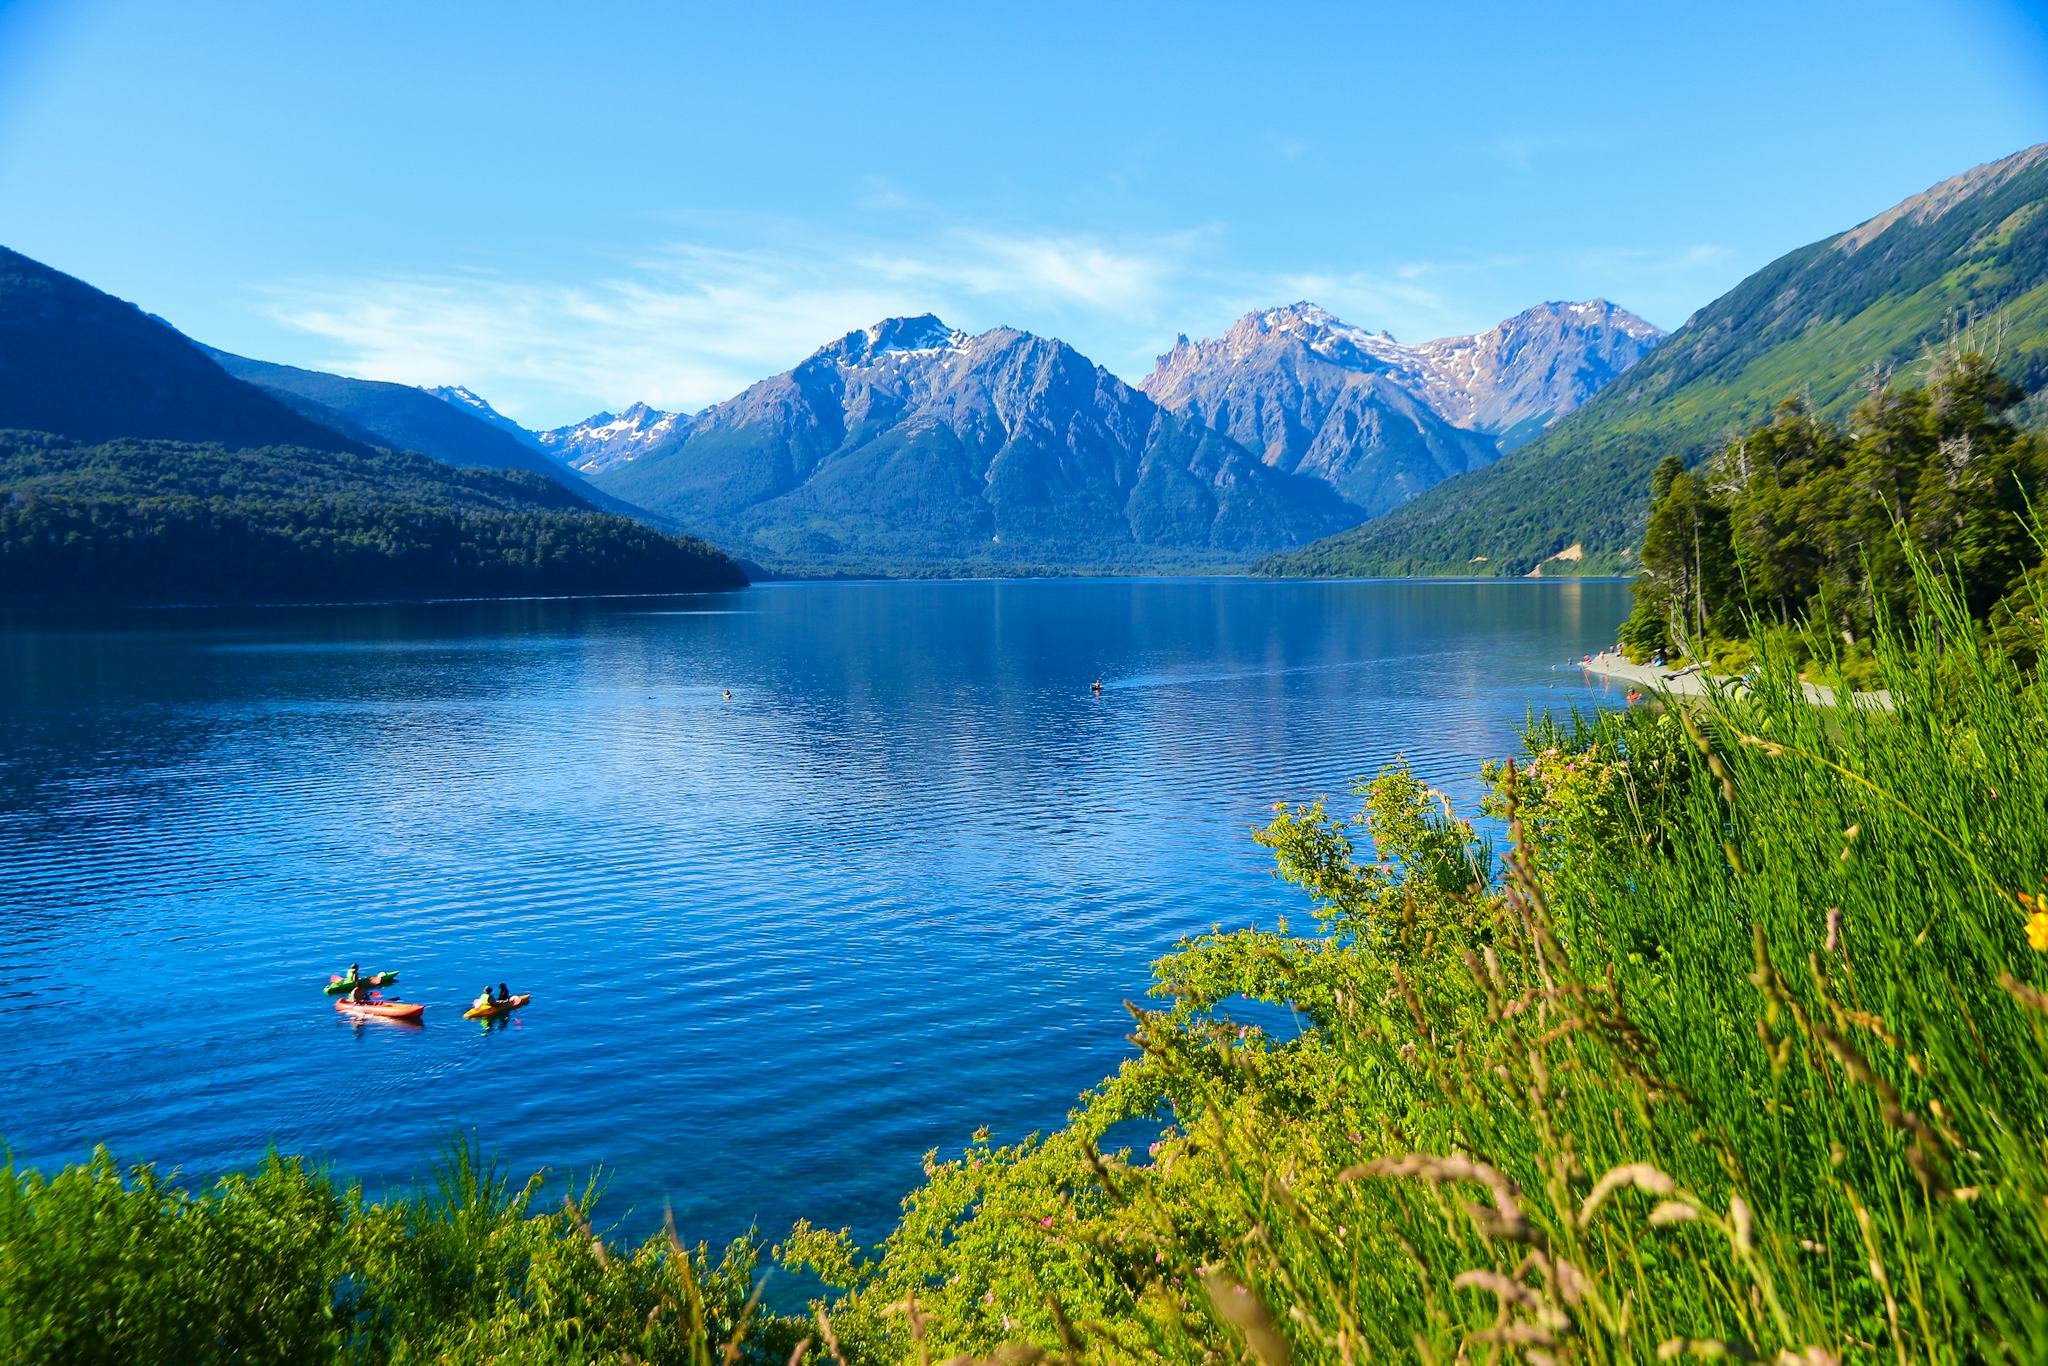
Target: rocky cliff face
[912,442]
[1381,421]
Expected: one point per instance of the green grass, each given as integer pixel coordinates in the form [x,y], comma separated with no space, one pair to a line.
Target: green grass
[286,1264]
[1735,1053]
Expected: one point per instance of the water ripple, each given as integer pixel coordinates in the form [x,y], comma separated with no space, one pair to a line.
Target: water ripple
[896,888]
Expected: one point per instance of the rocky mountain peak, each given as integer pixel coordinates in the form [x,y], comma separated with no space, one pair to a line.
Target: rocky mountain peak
[921,334]
[1380,420]
[605,439]
[1525,372]
[1311,326]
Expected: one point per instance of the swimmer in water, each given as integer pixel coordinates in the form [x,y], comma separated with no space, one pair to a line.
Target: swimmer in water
[728,694]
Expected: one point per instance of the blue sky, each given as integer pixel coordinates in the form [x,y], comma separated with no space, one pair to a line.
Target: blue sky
[570,208]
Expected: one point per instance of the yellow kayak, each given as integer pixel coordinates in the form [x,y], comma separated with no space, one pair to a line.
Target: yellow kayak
[495,1008]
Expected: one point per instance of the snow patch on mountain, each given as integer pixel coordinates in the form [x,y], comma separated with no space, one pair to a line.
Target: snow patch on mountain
[606,440]
[473,403]
[922,336]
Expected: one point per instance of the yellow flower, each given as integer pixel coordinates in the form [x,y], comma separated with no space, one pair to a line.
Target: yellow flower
[2037,931]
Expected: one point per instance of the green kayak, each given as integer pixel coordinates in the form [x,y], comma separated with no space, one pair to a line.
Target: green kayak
[337,984]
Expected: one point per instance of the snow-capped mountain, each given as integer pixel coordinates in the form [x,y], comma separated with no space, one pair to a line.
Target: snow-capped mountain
[473,403]
[1520,376]
[598,443]
[1381,421]
[913,441]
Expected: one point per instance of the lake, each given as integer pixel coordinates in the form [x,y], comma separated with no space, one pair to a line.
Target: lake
[896,888]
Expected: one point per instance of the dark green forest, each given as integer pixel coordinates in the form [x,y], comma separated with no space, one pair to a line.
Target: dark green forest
[1802,521]
[137,521]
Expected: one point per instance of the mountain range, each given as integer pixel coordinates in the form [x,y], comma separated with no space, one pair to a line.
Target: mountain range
[134,467]
[1964,263]
[1379,421]
[910,444]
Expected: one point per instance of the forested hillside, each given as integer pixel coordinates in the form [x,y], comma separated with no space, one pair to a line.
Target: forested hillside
[1967,258]
[170,522]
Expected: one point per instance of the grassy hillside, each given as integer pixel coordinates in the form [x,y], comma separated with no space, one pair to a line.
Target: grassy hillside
[162,522]
[1970,254]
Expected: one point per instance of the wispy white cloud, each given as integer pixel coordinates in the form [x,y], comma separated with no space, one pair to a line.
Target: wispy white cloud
[692,323]
[699,319]
[1068,272]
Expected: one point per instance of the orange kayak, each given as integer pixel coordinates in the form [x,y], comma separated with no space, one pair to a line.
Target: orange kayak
[504,1007]
[382,1010]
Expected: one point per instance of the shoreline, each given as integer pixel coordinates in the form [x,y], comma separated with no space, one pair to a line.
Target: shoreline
[1694,681]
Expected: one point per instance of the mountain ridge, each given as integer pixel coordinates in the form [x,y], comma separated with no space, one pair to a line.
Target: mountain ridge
[1381,421]
[77,361]
[1964,261]
[911,440]
[606,439]
[405,417]
[135,468]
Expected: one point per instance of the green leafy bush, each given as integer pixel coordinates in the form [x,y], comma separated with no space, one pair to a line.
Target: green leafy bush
[98,1264]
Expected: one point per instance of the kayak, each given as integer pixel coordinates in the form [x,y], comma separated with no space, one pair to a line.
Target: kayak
[382,1010]
[495,1008]
[336,984]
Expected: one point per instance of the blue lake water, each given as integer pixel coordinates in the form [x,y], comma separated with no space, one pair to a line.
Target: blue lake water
[896,888]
